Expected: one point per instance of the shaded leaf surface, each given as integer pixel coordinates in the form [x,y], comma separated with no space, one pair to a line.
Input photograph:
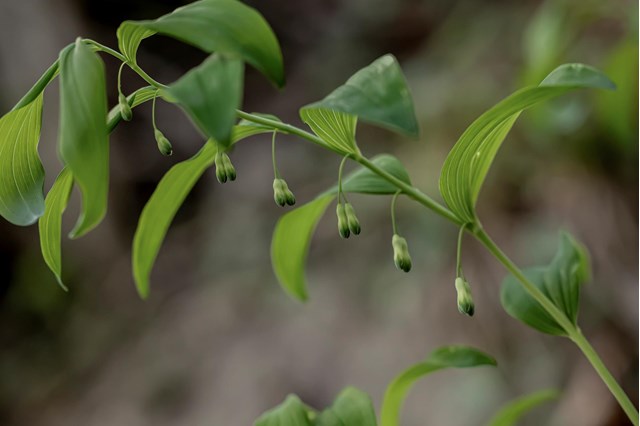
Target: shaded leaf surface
[291,412]
[516,409]
[335,128]
[560,281]
[21,172]
[352,407]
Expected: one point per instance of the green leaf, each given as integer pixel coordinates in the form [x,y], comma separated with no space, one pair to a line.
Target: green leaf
[560,281]
[293,232]
[246,128]
[50,223]
[228,27]
[377,94]
[446,357]
[292,412]
[159,211]
[21,172]
[335,128]
[210,95]
[83,137]
[468,162]
[290,244]
[514,410]
[352,407]
[39,86]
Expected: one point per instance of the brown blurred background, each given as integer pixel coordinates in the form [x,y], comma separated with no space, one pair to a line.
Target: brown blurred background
[218,342]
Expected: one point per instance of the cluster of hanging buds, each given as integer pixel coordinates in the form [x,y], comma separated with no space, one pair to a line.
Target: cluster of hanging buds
[125,108]
[224,168]
[348,222]
[282,195]
[164,146]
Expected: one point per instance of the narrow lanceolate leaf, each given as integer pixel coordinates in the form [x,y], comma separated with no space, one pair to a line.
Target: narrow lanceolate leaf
[468,162]
[292,412]
[377,94]
[516,409]
[446,357]
[351,407]
[228,27]
[83,138]
[290,245]
[560,281]
[50,224]
[210,95]
[21,172]
[39,86]
[293,232]
[159,211]
[335,128]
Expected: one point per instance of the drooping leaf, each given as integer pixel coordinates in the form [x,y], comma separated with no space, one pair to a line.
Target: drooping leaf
[293,232]
[159,211]
[39,86]
[516,409]
[560,281]
[468,162]
[50,223]
[377,94]
[335,128]
[352,407]
[228,27]
[292,412]
[83,137]
[290,244]
[21,172]
[210,95]
[446,357]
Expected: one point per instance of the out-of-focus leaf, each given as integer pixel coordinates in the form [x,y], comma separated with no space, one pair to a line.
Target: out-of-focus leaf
[210,95]
[377,94]
[335,128]
[467,164]
[446,357]
[50,223]
[352,407]
[83,137]
[290,244]
[227,27]
[159,211]
[516,409]
[292,412]
[560,281]
[21,172]
[293,232]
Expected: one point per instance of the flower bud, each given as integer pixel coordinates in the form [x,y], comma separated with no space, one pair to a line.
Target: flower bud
[163,143]
[125,109]
[290,198]
[221,171]
[352,219]
[229,170]
[279,192]
[465,301]
[343,223]
[401,256]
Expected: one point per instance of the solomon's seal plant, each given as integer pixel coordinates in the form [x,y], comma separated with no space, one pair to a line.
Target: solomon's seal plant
[235,35]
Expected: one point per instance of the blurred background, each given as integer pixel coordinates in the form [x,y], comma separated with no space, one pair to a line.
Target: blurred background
[218,342]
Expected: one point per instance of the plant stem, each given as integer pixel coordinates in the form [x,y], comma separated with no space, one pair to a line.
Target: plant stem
[276,174]
[459,251]
[393,211]
[340,193]
[573,332]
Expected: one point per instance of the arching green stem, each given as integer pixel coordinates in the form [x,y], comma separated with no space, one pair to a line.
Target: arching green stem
[393,211]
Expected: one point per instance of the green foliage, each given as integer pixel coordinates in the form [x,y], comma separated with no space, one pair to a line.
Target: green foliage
[377,94]
[210,95]
[351,407]
[50,223]
[446,357]
[560,281]
[292,412]
[467,164]
[336,129]
[21,172]
[83,137]
[227,27]
[516,409]
[293,232]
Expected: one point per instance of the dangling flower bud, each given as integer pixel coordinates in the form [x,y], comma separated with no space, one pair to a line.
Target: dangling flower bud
[228,167]
[221,170]
[163,143]
[290,198]
[343,222]
[125,109]
[465,301]
[279,194]
[401,256]
[352,219]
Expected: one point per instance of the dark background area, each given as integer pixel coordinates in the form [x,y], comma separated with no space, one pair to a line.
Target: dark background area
[218,342]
